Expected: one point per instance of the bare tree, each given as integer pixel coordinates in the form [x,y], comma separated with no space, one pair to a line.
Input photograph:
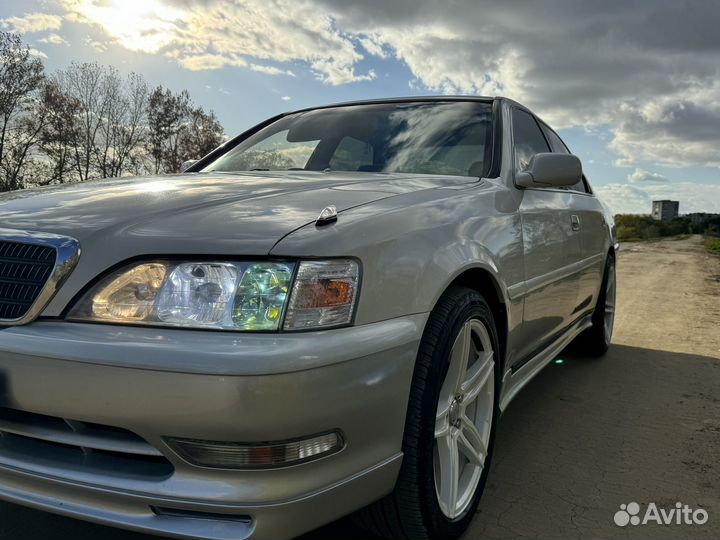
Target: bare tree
[121,131]
[88,121]
[57,140]
[110,117]
[21,80]
[84,83]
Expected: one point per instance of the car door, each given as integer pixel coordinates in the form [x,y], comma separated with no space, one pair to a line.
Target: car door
[590,221]
[551,248]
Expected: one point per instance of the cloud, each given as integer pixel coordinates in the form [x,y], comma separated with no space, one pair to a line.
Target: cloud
[671,132]
[648,77]
[211,34]
[54,39]
[633,199]
[624,199]
[38,53]
[98,46]
[138,25]
[286,98]
[32,22]
[373,46]
[641,175]
[270,70]
[206,62]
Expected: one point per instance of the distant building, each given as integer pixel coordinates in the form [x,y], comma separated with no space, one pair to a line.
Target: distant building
[665,210]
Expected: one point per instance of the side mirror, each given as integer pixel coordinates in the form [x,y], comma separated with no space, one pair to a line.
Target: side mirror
[187,164]
[550,170]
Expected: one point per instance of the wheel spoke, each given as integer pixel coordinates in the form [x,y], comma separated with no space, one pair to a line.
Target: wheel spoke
[442,423]
[449,461]
[470,443]
[477,376]
[458,363]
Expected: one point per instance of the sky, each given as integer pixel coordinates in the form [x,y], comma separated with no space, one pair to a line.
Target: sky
[632,87]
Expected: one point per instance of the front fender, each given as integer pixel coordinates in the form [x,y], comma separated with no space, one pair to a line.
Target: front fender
[413,246]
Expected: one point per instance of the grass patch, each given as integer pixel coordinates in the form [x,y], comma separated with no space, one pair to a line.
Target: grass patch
[712,243]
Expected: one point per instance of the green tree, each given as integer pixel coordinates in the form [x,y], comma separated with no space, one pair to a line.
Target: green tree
[179,130]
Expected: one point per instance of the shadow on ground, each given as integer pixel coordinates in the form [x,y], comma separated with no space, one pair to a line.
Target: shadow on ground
[583,437]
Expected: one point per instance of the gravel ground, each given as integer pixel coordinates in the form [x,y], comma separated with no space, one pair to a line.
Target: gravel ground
[640,425]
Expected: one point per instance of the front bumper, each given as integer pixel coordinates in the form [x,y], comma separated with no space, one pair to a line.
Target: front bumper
[214,386]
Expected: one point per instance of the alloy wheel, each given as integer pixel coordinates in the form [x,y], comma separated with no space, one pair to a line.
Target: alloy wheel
[463,421]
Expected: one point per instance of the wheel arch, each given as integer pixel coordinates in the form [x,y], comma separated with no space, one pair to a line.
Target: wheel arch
[482,280]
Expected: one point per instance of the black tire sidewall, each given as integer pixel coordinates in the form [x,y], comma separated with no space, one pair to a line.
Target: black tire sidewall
[603,340]
[609,269]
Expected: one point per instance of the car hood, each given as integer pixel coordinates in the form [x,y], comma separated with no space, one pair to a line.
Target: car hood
[218,213]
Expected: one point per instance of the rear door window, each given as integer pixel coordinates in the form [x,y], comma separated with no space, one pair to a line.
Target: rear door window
[528,139]
[558,146]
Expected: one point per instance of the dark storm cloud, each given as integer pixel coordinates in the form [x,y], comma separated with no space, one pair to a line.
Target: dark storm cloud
[649,70]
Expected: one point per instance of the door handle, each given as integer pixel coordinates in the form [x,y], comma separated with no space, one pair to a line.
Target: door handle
[575,222]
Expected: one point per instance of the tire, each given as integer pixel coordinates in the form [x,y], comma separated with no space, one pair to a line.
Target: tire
[413,510]
[595,341]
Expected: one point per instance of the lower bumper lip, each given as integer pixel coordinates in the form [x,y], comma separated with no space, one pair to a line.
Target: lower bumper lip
[187,518]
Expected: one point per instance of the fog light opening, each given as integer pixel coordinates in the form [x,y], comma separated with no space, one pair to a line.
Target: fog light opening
[236,455]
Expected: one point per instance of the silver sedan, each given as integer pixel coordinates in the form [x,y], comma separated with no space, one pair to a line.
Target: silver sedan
[324,316]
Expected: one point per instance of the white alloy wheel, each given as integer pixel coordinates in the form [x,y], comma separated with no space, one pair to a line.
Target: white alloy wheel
[463,421]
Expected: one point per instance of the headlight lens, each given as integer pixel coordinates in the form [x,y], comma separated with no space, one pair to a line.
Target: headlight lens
[224,295]
[260,296]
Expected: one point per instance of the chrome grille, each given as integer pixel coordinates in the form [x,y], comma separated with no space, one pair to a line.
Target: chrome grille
[33,266]
[24,270]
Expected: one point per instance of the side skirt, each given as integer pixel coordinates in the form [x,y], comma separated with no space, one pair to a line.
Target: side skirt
[514,381]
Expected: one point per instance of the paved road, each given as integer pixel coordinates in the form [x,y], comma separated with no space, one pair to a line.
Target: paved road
[642,424]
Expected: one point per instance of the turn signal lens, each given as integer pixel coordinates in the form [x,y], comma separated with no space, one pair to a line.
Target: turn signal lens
[323,295]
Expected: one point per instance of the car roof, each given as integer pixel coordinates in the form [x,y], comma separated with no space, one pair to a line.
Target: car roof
[408,99]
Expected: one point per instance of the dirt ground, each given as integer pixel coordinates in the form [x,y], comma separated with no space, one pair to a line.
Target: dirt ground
[640,425]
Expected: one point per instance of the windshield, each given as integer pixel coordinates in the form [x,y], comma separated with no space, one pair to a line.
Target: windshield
[450,138]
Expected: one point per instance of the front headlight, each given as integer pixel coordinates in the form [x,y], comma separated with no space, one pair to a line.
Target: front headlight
[247,296]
